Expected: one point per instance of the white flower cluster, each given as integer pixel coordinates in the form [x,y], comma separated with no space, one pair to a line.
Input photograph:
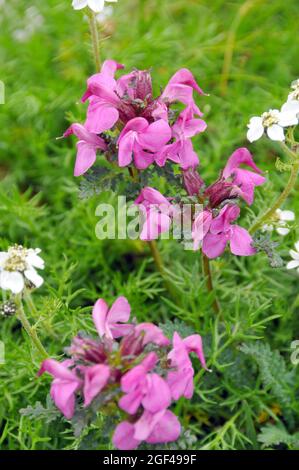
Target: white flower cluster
[18,268]
[274,121]
[280,222]
[95,5]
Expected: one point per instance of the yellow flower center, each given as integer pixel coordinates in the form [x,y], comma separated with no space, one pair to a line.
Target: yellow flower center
[269,119]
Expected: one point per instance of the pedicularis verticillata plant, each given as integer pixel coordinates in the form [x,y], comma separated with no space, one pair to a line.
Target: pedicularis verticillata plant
[132,370]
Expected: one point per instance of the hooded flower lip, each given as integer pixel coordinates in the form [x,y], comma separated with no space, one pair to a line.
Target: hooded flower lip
[87,147]
[18,267]
[243,179]
[95,5]
[280,222]
[273,122]
[294,264]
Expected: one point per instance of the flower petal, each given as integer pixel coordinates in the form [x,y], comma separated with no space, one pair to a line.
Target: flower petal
[123,437]
[33,277]
[275,132]
[241,242]
[99,316]
[292,264]
[12,281]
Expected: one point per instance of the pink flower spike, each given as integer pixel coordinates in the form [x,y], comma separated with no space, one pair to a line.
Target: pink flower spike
[95,379]
[112,323]
[87,147]
[64,385]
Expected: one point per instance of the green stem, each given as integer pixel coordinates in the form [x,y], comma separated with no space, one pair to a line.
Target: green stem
[28,328]
[160,267]
[94,32]
[279,201]
[209,281]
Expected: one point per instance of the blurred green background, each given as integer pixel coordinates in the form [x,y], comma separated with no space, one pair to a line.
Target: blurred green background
[244,55]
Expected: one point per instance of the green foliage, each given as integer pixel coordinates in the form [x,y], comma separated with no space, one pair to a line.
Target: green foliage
[274,435]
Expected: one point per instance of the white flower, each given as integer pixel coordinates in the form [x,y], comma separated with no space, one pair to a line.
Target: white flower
[18,266]
[273,123]
[295,255]
[95,5]
[280,222]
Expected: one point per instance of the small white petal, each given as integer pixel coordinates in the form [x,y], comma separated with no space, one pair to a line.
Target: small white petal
[291,106]
[255,129]
[267,228]
[96,5]
[3,258]
[287,119]
[286,215]
[33,277]
[275,132]
[12,281]
[282,231]
[294,254]
[79,4]
[34,260]
[292,264]
[297,246]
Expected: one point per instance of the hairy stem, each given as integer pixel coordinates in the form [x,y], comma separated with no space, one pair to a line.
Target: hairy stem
[95,39]
[28,328]
[279,201]
[209,281]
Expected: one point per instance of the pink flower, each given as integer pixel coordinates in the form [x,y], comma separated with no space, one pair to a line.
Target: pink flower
[142,140]
[222,231]
[181,152]
[95,379]
[112,323]
[155,428]
[186,126]
[201,226]
[64,386]
[102,113]
[143,388]
[246,180]
[180,88]
[180,380]
[87,147]
[157,211]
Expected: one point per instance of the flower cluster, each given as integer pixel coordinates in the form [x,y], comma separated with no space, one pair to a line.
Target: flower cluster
[213,225]
[280,222]
[132,365]
[18,268]
[274,121]
[125,119]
